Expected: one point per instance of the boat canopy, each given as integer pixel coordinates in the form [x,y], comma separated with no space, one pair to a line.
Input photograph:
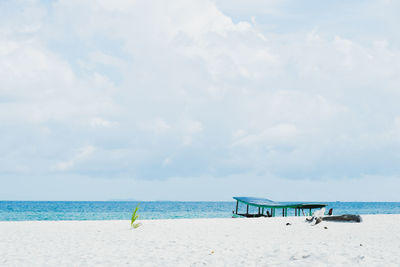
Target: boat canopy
[267,203]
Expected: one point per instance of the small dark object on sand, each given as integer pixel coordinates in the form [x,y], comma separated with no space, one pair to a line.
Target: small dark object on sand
[325,227]
[288,224]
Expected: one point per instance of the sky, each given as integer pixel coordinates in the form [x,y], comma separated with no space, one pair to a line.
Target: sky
[200,100]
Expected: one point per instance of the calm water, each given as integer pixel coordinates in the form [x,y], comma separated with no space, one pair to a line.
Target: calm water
[122,210]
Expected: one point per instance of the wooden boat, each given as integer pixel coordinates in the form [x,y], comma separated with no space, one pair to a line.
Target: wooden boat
[269,208]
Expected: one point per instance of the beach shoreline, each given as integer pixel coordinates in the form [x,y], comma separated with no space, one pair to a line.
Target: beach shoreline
[198,242]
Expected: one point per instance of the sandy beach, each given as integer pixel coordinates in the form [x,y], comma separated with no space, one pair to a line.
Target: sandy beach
[198,242]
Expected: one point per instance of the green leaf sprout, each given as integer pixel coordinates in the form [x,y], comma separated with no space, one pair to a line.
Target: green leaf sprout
[134,218]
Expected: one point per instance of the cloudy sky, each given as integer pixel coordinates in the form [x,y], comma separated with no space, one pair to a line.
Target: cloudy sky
[199,100]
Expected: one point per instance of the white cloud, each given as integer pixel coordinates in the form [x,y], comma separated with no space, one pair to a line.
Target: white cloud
[193,127]
[80,156]
[279,134]
[157,126]
[103,58]
[99,122]
[190,129]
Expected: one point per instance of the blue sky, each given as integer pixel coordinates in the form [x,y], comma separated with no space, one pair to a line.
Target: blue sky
[199,100]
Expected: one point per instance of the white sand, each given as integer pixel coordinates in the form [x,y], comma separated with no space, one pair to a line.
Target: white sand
[198,242]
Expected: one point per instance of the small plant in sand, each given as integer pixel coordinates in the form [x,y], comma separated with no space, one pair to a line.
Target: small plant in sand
[134,218]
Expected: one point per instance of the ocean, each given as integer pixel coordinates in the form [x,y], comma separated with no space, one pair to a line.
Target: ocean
[149,210]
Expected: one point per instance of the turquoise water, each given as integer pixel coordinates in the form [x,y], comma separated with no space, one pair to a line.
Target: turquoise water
[122,210]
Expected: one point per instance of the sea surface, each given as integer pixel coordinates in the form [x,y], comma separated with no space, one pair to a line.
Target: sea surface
[122,210]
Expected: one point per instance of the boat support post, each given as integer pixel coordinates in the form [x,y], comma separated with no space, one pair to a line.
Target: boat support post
[237,205]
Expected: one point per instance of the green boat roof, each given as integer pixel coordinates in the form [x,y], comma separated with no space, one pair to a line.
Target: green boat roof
[267,203]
